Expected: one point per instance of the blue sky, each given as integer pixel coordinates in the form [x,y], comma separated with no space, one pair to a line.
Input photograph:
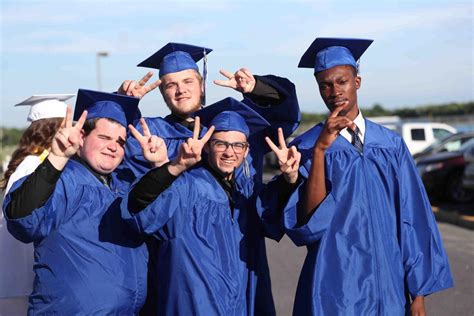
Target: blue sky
[422,53]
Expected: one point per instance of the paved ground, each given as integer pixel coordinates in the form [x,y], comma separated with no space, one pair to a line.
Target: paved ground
[286,261]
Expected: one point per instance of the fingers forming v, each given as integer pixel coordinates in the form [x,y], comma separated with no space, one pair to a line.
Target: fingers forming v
[272,146]
[226,74]
[197,126]
[208,135]
[146,130]
[135,133]
[153,86]
[145,78]
[80,122]
[281,138]
[68,118]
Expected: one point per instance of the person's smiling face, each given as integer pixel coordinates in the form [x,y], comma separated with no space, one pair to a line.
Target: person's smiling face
[182,91]
[223,157]
[103,147]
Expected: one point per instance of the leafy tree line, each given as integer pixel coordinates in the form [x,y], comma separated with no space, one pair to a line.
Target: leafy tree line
[405,112]
[11,136]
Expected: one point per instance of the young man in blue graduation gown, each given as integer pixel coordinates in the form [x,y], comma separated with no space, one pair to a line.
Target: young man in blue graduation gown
[204,217]
[360,207]
[87,259]
[183,90]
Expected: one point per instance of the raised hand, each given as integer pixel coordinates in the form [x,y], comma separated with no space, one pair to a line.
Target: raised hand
[138,89]
[190,151]
[288,158]
[66,141]
[332,128]
[242,80]
[153,147]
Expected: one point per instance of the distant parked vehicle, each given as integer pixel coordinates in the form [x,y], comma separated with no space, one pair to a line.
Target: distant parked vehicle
[468,177]
[442,173]
[417,135]
[451,143]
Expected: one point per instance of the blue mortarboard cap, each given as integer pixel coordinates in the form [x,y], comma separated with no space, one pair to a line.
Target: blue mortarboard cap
[232,115]
[120,108]
[174,57]
[328,52]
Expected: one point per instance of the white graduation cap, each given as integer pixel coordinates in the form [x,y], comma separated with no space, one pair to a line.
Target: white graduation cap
[46,106]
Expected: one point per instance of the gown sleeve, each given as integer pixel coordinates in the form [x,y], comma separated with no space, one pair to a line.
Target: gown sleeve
[287,113]
[43,220]
[424,258]
[161,218]
[270,206]
[314,229]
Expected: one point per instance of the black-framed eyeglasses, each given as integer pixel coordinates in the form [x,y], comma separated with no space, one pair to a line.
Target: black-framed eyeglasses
[237,147]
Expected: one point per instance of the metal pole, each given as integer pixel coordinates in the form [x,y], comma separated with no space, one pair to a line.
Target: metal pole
[99,79]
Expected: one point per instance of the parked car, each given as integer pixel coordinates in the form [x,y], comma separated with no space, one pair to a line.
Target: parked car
[442,173]
[468,177]
[417,135]
[451,143]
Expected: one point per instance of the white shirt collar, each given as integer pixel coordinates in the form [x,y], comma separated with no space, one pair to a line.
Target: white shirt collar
[360,122]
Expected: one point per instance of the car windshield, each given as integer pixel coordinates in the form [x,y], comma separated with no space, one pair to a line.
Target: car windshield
[436,144]
[467,145]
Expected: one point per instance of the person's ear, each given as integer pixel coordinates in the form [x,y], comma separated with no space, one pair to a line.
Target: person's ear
[81,138]
[358,81]
[246,151]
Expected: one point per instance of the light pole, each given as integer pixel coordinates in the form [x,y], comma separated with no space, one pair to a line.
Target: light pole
[100,54]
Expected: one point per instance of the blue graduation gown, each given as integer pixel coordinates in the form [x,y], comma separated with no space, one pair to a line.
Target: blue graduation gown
[285,115]
[373,240]
[206,252]
[87,260]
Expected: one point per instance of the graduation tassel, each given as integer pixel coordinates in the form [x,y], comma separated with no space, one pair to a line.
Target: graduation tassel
[246,169]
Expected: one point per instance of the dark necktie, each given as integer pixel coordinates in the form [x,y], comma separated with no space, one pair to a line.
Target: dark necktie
[356,140]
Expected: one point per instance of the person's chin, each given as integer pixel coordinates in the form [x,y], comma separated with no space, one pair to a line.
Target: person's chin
[186,109]
[107,168]
[226,169]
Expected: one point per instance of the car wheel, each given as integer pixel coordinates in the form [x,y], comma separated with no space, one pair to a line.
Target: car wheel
[455,190]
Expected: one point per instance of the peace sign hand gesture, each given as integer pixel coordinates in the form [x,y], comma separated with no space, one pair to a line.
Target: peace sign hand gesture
[138,89]
[288,158]
[153,147]
[242,80]
[190,151]
[66,141]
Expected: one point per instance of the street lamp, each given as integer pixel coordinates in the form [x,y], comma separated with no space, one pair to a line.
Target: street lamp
[100,54]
